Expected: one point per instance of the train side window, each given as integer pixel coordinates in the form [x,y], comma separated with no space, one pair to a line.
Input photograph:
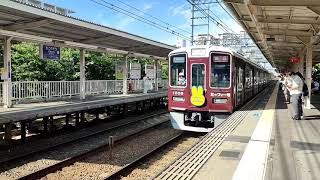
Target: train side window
[178,70]
[220,71]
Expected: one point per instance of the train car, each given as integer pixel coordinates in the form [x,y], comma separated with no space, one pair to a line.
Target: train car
[208,83]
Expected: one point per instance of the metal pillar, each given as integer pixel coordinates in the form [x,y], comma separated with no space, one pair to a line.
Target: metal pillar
[82,75]
[77,119]
[67,119]
[7,86]
[23,131]
[308,72]
[7,131]
[125,76]
[156,66]
[45,125]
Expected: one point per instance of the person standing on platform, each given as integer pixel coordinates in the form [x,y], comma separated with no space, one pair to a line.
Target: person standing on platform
[285,88]
[295,89]
[145,84]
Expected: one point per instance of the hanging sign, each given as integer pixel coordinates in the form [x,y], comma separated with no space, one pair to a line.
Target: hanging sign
[135,71]
[149,69]
[119,70]
[50,52]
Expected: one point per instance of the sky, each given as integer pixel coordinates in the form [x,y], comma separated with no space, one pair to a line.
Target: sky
[173,12]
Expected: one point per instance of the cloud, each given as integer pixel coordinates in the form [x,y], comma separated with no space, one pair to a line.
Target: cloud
[124,22]
[146,7]
[182,10]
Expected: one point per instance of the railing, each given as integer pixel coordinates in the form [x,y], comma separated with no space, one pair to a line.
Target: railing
[23,90]
[103,86]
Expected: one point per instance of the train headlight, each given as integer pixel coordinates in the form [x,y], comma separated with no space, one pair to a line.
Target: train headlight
[178,99]
[220,101]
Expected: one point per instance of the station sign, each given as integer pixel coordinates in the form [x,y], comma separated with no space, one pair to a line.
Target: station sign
[135,71]
[50,52]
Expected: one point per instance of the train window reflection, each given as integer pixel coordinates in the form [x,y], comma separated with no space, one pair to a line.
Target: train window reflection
[178,70]
[198,75]
[220,74]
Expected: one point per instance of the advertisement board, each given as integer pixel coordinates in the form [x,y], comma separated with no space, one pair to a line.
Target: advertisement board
[50,52]
[119,70]
[149,69]
[135,71]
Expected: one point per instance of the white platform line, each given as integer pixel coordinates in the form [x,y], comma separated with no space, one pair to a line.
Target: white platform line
[253,163]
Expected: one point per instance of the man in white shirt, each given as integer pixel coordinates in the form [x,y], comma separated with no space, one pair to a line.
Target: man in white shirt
[315,89]
[295,89]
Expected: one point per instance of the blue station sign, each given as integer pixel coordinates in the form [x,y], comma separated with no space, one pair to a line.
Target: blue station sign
[50,52]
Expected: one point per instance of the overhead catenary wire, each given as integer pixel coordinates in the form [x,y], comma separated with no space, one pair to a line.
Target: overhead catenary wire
[219,3]
[130,6]
[138,17]
[221,25]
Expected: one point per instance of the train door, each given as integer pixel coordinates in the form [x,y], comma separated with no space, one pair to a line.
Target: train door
[240,85]
[198,83]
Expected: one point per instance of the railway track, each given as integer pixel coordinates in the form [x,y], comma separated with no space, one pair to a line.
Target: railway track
[88,134]
[124,170]
[56,166]
[50,169]
[188,164]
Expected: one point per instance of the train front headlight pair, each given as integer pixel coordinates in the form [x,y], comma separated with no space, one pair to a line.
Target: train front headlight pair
[178,99]
[220,100]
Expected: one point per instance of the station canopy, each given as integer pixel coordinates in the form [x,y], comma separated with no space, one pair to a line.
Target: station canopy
[280,28]
[24,21]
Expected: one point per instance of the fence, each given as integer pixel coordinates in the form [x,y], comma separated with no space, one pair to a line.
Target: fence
[52,89]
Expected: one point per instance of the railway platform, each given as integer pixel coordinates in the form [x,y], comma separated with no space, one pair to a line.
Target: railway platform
[73,108]
[260,141]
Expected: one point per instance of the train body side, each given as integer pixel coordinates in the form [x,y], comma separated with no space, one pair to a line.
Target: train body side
[226,81]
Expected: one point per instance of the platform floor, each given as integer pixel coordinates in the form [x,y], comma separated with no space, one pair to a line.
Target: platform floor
[29,111]
[293,152]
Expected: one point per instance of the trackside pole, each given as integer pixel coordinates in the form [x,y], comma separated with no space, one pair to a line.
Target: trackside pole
[82,75]
[125,76]
[6,75]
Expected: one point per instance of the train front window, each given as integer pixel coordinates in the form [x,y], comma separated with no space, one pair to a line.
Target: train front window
[178,70]
[220,71]
[198,75]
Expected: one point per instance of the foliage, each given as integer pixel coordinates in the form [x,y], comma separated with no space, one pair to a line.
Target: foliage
[28,66]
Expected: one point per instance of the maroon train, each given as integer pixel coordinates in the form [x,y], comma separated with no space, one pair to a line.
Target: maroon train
[207,83]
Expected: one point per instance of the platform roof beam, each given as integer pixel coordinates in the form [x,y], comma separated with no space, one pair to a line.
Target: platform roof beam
[28,25]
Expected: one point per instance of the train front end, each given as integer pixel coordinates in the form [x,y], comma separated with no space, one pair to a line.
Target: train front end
[200,90]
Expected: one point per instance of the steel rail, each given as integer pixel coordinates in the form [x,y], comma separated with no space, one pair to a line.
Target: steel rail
[189,163]
[123,170]
[57,166]
[88,135]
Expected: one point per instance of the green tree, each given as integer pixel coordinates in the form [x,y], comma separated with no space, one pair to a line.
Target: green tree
[100,66]
[26,63]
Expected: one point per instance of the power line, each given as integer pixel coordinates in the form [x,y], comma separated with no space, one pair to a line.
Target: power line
[152,16]
[227,12]
[223,27]
[138,17]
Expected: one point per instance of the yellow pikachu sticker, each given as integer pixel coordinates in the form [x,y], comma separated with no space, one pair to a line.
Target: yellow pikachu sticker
[197,97]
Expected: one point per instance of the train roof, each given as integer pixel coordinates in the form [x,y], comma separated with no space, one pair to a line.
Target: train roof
[216,49]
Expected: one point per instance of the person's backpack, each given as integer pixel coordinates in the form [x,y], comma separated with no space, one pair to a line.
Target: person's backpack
[305,90]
